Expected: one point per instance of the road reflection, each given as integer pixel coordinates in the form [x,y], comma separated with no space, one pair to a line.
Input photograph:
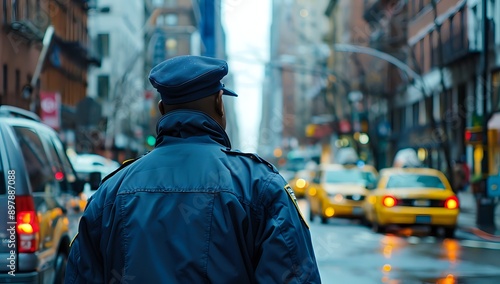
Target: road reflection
[451,250]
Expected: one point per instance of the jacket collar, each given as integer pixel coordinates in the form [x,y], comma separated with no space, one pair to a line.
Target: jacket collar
[190,124]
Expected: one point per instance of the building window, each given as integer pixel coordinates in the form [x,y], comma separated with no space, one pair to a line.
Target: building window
[171,3]
[495,90]
[431,49]
[171,47]
[463,39]
[403,119]
[415,113]
[171,20]
[422,55]
[167,20]
[452,36]
[103,86]
[15,10]
[442,105]
[4,11]
[5,79]
[476,25]
[158,3]
[496,11]
[18,82]
[424,113]
[27,10]
[412,8]
[103,45]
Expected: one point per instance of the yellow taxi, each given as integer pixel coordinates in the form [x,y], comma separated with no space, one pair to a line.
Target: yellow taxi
[412,196]
[301,182]
[339,190]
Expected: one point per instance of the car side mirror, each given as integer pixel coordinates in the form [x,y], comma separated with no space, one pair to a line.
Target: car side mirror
[316,180]
[95,180]
[371,186]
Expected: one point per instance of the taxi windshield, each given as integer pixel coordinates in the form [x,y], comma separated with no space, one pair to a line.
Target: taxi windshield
[344,176]
[414,180]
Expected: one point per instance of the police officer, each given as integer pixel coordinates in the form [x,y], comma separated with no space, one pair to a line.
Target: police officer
[193,210]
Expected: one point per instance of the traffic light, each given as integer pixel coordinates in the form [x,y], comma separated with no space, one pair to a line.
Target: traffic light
[473,135]
[151,140]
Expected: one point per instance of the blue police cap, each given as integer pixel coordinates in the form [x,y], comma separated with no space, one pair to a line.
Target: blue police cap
[188,78]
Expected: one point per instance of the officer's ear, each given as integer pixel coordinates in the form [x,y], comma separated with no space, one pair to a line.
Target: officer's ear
[219,104]
[161,107]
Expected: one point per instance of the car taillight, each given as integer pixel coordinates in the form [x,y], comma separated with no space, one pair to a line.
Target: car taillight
[27,224]
[59,176]
[451,202]
[389,201]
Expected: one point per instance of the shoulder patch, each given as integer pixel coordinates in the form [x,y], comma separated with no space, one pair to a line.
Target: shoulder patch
[73,240]
[252,156]
[291,194]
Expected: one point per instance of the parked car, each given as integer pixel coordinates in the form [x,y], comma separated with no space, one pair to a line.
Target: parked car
[36,180]
[412,196]
[339,191]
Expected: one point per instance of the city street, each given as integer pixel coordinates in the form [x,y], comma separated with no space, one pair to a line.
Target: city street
[348,252]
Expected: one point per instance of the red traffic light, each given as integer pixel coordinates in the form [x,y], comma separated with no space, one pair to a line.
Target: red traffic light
[473,135]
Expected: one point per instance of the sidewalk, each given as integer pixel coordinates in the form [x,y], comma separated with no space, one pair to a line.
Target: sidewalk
[467,217]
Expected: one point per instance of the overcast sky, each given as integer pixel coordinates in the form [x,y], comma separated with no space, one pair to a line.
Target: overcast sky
[246,23]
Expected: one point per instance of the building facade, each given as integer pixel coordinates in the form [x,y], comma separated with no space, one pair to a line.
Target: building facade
[52,82]
[448,82]
[294,75]
[116,88]
[185,27]
[353,82]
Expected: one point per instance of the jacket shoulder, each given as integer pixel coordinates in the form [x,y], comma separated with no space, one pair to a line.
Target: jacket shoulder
[125,164]
[252,156]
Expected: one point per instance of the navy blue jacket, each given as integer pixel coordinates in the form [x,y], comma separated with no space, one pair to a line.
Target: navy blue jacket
[193,211]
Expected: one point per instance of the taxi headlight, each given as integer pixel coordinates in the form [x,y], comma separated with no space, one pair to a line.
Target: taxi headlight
[312,191]
[300,183]
[329,212]
[338,197]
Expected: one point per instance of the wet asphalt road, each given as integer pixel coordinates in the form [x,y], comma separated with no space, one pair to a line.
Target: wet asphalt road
[348,252]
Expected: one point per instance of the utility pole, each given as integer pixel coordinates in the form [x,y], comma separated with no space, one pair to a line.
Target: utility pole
[485,204]
[28,90]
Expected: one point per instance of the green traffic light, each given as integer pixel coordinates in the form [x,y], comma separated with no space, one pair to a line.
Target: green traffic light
[151,140]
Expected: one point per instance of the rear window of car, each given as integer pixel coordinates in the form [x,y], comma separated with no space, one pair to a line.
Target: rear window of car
[414,181]
[344,176]
[37,163]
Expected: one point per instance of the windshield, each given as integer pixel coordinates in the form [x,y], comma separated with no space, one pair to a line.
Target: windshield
[344,176]
[369,177]
[414,180]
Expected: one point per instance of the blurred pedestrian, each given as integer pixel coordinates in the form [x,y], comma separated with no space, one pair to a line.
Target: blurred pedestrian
[461,175]
[193,210]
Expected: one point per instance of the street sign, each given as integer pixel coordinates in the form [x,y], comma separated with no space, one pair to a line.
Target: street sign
[50,103]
